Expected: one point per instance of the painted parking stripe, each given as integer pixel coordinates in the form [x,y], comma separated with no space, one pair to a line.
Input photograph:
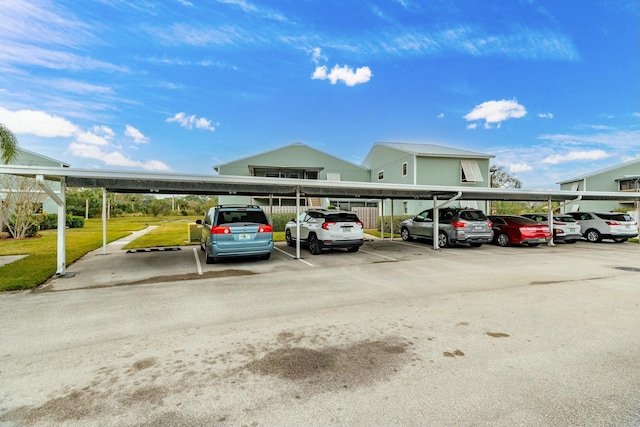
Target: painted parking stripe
[381,256]
[198,265]
[292,256]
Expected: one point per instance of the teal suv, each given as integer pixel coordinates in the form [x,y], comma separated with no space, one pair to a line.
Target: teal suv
[236,231]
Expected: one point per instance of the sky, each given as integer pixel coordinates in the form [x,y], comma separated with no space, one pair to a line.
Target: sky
[551,88]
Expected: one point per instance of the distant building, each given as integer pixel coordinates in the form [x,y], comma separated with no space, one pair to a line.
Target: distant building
[620,177]
[29,158]
[386,162]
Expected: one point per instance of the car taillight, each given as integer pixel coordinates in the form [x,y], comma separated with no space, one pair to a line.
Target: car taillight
[325,225]
[490,224]
[220,230]
[360,224]
[265,228]
[459,224]
[613,223]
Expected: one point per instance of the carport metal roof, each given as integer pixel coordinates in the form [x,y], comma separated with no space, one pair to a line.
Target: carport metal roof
[169,183]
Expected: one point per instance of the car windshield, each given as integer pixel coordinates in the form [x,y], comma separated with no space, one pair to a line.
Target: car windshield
[342,217]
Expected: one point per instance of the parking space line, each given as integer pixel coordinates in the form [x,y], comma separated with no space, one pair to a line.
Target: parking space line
[292,256]
[195,252]
[381,256]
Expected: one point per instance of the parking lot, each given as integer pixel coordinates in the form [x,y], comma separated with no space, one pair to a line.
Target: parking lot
[394,334]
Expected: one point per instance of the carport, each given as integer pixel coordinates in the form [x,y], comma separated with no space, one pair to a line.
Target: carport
[168,183]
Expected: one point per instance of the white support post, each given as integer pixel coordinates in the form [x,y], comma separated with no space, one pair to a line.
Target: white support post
[550,220]
[391,224]
[60,200]
[297,222]
[381,219]
[104,221]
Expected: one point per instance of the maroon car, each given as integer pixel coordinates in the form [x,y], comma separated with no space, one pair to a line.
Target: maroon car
[518,230]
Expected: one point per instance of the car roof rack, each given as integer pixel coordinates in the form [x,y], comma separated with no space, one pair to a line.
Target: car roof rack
[238,206]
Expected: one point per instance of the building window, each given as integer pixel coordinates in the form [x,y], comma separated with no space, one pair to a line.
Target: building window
[272,174]
[470,171]
[405,169]
[629,184]
[380,175]
[405,207]
[293,175]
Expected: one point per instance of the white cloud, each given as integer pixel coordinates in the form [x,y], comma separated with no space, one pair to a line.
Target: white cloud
[576,155]
[137,136]
[545,115]
[472,126]
[496,112]
[189,122]
[343,74]
[317,56]
[37,123]
[519,167]
[441,115]
[113,158]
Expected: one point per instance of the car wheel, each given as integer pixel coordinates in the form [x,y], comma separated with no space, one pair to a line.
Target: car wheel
[288,238]
[406,236]
[314,245]
[209,259]
[354,249]
[202,247]
[443,239]
[593,236]
[620,239]
[503,240]
[475,245]
[265,256]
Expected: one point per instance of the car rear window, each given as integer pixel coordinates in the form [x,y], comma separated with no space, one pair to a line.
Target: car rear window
[522,220]
[473,216]
[342,217]
[230,217]
[564,218]
[614,216]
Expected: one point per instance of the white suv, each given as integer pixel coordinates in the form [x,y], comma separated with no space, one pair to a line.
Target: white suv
[565,228]
[606,225]
[325,228]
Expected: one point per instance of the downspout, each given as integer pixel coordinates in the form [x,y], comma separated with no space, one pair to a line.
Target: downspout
[62,221]
[436,217]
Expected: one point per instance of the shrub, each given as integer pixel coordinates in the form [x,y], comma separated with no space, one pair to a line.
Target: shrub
[50,221]
[397,220]
[75,221]
[279,220]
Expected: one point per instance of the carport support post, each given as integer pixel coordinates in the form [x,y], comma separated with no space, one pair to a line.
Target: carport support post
[104,221]
[436,223]
[297,222]
[62,220]
[382,219]
[550,220]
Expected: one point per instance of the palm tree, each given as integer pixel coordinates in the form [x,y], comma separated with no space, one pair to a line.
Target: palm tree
[8,144]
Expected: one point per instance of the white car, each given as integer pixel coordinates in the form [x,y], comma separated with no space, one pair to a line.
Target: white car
[325,228]
[606,225]
[565,227]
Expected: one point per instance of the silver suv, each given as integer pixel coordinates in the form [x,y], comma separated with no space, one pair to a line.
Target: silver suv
[326,228]
[456,225]
[606,225]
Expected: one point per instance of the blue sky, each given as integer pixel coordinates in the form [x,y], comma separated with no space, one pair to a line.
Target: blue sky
[551,88]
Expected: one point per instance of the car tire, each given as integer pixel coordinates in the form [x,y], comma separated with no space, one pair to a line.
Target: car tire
[354,249]
[443,240]
[209,259]
[620,239]
[289,239]
[475,245]
[404,233]
[570,241]
[503,240]
[265,256]
[202,247]
[593,236]
[314,245]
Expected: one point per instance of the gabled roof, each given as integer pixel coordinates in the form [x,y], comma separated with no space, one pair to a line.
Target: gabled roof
[598,172]
[295,144]
[31,153]
[432,150]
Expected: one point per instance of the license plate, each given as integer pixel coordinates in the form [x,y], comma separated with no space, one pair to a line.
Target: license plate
[572,229]
[478,227]
[244,236]
[347,228]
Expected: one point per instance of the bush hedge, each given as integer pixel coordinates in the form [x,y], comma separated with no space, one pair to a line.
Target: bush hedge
[397,220]
[50,221]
